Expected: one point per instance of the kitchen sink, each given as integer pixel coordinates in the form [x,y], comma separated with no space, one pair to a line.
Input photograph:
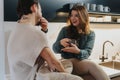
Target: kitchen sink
[111,64]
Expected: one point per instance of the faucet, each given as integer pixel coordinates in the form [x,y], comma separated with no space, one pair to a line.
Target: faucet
[103,54]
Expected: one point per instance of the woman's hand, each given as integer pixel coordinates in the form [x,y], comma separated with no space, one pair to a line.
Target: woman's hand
[72,49]
[65,42]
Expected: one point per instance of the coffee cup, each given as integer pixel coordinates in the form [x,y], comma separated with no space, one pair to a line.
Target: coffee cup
[87,5]
[93,7]
[71,5]
[73,41]
[81,4]
[100,8]
[106,9]
[118,20]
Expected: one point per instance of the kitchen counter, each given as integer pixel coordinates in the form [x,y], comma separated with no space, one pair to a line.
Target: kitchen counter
[109,71]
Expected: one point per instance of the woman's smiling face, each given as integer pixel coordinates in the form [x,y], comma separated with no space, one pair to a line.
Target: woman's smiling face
[74,18]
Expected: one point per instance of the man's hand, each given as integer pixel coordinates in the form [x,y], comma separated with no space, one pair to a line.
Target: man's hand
[44,24]
[52,61]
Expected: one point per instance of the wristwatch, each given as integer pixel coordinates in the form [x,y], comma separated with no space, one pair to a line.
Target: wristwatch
[45,31]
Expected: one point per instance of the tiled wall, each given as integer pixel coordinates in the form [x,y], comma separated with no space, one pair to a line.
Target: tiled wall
[103,32]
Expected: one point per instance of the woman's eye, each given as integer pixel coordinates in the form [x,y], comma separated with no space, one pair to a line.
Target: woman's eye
[71,15]
[76,15]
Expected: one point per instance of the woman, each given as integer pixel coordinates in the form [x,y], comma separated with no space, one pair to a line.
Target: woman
[75,42]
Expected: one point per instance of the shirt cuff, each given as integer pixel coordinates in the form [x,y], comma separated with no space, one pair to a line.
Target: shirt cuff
[45,31]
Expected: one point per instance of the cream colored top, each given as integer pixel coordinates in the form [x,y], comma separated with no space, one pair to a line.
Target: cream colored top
[24,46]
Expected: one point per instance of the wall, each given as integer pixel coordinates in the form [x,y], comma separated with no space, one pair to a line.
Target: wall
[2,48]
[103,32]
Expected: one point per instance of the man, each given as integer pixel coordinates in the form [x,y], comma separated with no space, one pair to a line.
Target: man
[28,47]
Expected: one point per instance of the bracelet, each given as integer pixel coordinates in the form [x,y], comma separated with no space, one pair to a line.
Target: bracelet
[44,31]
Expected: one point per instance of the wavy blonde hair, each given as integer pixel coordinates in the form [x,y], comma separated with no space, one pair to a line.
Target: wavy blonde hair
[83,17]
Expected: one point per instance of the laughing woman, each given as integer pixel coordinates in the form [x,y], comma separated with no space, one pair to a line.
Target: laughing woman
[75,43]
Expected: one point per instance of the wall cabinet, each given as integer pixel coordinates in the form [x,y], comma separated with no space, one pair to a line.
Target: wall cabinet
[107,18]
[49,7]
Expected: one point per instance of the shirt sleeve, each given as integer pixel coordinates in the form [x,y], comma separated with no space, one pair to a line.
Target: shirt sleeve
[57,46]
[26,44]
[36,41]
[85,53]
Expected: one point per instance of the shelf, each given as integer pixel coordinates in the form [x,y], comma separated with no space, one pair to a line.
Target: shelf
[105,22]
[103,13]
[104,18]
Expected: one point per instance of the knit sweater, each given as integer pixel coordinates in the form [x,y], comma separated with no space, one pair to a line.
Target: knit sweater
[85,44]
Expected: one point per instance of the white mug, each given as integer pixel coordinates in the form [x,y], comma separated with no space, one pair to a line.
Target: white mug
[118,20]
[100,8]
[106,9]
[87,5]
[71,5]
[80,3]
[93,7]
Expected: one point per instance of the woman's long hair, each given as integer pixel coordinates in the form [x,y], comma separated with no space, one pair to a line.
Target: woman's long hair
[84,22]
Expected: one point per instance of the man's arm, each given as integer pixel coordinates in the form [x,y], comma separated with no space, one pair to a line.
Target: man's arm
[47,54]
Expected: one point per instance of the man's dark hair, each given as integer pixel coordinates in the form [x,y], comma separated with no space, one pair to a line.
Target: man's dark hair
[23,7]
